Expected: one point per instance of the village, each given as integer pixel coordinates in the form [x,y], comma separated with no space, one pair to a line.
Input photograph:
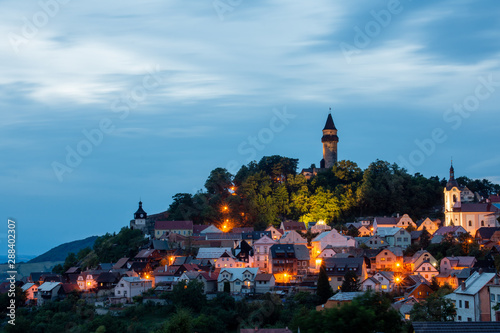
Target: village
[454,260]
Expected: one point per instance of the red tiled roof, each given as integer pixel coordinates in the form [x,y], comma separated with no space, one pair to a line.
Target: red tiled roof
[478,207]
[174,225]
[263,277]
[197,228]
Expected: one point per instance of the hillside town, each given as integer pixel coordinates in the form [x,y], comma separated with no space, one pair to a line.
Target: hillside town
[412,261]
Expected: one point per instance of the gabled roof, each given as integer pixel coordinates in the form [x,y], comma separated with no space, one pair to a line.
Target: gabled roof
[486,232]
[108,277]
[396,250]
[197,228]
[27,286]
[474,283]
[293,225]
[449,229]
[301,252]
[212,252]
[388,231]
[237,273]
[282,251]
[263,277]
[240,230]
[121,263]
[73,270]
[48,286]
[160,244]
[478,207]
[174,225]
[387,220]
[461,261]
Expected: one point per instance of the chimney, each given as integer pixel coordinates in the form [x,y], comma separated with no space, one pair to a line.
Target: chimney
[397,215]
[463,286]
[480,271]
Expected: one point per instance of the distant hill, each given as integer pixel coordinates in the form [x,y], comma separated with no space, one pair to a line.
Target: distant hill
[59,253]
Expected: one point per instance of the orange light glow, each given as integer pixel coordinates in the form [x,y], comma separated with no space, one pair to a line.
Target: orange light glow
[318,262]
[88,283]
[397,264]
[225,208]
[397,280]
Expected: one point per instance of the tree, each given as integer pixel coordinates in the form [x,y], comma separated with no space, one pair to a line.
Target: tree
[434,308]
[189,296]
[181,322]
[323,290]
[351,282]
[425,239]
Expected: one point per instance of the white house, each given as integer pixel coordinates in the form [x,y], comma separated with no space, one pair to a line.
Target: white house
[129,287]
[239,279]
[292,237]
[472,299]
[332,238]
[261,252]
[264,283]
[48,291]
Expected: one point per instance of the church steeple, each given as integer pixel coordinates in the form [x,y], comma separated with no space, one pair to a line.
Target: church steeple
[140,214]
[330,141]
[452,171]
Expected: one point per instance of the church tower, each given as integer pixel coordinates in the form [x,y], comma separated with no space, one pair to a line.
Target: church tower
[140,216]
[452,196]
[330,141]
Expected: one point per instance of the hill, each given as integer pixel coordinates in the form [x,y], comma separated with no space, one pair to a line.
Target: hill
[59,253]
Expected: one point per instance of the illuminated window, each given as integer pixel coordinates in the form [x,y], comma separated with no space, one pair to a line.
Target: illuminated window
[407,316]
[384,287]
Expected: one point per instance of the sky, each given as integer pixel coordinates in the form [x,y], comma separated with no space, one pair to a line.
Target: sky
[104,103]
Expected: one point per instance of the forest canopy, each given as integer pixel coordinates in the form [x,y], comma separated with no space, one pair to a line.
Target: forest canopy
[270,191]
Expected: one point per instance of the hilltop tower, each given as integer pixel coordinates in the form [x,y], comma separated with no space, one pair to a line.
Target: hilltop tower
[330,141]
[451,192]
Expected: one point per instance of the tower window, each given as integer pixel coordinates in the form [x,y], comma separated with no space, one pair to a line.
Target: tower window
[470,223]
[482,223]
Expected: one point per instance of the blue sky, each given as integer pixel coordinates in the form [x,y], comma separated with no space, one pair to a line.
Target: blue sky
[169,90]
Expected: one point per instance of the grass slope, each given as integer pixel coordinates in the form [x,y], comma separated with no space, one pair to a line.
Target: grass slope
[59,253]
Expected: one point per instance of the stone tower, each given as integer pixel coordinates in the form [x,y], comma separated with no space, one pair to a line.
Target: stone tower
[330,141]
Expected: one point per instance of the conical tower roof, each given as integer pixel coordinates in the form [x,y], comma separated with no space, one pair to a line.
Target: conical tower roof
[329,123]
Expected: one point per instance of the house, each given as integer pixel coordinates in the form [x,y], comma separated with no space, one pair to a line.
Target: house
[165,228]
[420,291]
[445,232]
[448,264]
[264,283]
[261,252]
[394,236]
[380,282]
[336,268]
[339,299]
[87,280]
[244,252]
[275,233]
[327,252]
[286,260]
[148,255]
[429,225]
[30,290]
[332,238]
[398,222]
[404,307]
[411,263]
[454,277]
[426,270]
[373,242]
[48,291]
[292,237]
[240,280]
[390,259]
[319,227]
[250,237]
[120,264]
[292,225]
[128,287]
[107,280]
[486,234]
[227,260]
[472,298]
[494,291]
[212,253]
[209,279]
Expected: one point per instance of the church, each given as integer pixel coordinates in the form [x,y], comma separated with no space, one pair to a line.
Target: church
[460,210]
[330,141]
